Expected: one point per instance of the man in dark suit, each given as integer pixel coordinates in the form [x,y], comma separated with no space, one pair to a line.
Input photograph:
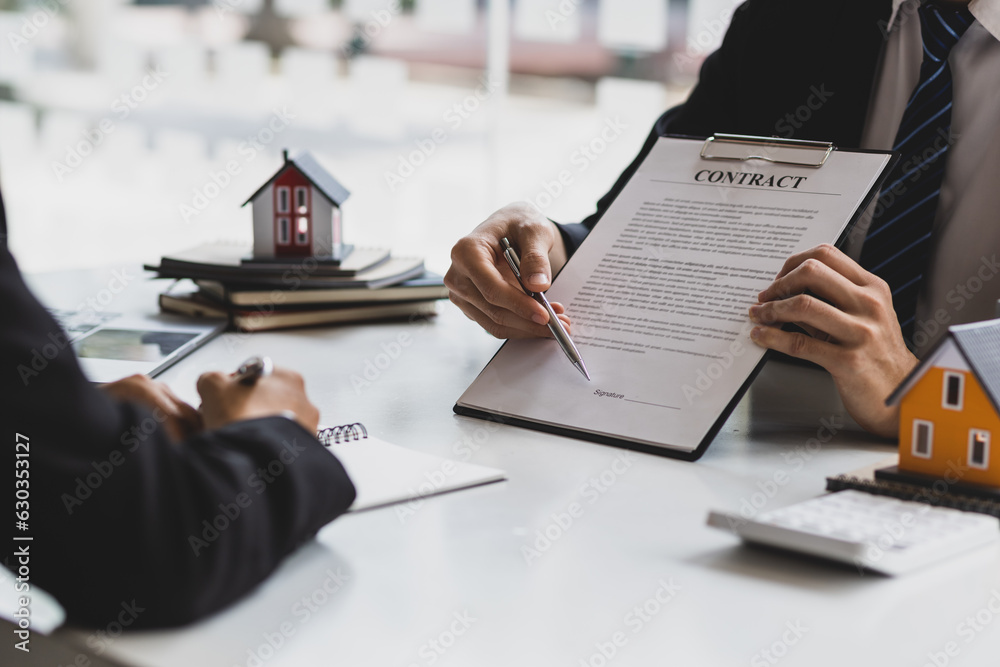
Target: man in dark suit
[136,502]
[886,74]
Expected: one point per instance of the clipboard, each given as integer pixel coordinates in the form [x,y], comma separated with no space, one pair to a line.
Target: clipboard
[721,148]
[741,148]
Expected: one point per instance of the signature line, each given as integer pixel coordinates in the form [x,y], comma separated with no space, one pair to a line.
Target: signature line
[668,407]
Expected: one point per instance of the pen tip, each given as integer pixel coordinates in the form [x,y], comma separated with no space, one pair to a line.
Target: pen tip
[583,369]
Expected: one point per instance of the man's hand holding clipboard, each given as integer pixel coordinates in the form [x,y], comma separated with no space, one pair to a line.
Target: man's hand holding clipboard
[661,290]
[855,333]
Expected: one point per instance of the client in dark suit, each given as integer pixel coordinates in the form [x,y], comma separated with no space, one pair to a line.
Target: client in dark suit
[136,501]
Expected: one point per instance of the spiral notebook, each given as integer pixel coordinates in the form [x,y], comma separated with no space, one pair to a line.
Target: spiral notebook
[387,474]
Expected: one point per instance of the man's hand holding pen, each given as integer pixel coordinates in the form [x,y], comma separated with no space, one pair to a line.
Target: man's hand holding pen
[486,290]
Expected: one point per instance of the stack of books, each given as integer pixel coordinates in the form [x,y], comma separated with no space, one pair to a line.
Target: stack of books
[215,281]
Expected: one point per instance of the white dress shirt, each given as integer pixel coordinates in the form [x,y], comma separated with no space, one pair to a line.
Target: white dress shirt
[962,283]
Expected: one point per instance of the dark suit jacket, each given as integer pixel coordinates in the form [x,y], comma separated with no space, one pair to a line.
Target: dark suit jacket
[777,57]
[119,514]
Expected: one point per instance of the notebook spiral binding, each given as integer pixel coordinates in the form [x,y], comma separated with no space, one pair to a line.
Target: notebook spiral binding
[909,492]
[342,433]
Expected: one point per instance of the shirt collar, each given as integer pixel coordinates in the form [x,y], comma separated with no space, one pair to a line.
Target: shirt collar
[986,12]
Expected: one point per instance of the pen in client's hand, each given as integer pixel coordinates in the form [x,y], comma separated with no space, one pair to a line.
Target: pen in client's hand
[555,325]
[252,370]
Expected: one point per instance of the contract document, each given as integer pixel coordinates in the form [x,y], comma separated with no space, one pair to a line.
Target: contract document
[659,294]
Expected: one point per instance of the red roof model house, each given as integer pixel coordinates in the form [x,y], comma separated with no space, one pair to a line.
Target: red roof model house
[949,413]
[297,213]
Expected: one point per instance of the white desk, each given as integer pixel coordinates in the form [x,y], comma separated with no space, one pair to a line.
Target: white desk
[462,554]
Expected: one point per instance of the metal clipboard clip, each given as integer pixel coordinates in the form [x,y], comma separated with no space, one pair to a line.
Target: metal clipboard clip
[741,148]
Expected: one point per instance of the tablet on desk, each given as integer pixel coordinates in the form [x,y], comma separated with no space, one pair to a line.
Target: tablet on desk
[112,346]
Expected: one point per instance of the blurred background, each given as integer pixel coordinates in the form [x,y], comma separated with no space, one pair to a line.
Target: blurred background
[130,129]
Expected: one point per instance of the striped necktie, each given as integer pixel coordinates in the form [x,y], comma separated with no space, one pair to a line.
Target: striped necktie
[898,244]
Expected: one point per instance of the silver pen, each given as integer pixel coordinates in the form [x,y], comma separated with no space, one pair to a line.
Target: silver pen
[252,370]
[555,325]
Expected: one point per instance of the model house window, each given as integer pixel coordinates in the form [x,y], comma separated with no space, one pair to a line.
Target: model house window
[284,231]
[300,201]
[979,449]
[302,230]
[954,390]
[923,438]
[283,199]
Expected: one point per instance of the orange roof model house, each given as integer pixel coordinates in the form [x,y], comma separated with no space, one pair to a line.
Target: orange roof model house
[949,417]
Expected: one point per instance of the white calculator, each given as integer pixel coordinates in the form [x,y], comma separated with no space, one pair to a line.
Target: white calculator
[869,531]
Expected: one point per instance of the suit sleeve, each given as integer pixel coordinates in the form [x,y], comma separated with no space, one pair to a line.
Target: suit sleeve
[709,109]
[122,517]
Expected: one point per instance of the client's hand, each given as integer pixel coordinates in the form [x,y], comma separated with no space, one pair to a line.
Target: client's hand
[482,285]
[224,400]
[182,420]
